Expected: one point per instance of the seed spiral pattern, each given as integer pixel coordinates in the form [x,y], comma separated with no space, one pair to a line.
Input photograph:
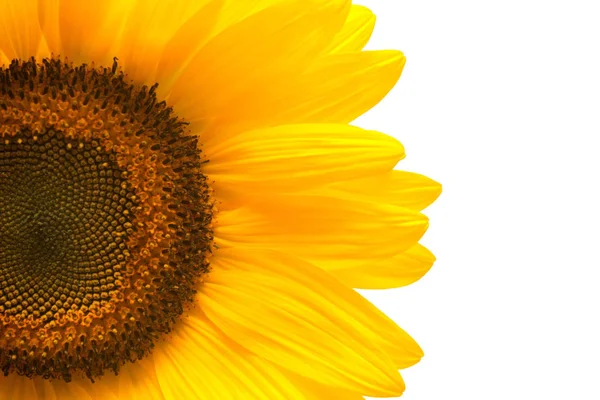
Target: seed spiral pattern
[105,219]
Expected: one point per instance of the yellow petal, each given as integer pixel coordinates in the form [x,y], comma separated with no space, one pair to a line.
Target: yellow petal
[45,390]
[88,30]
[182,47]
[14,387]
[336,88]
[71,391]
[43,50]
[84,389]
[299,317]
[199,362]
[20,33]
[246,60]
[356,32]
[4,61]
[330,233]
[401,188]
[214,17]
[153,24]
[235,11]
[48,16]
[340,87]
[400,270]
[316,391]
[136,381]
[320,392]
[296,157]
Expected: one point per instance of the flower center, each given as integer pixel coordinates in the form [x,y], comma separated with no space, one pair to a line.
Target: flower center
[105,219]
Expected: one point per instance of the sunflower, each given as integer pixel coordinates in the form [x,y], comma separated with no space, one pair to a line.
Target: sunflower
[185,209]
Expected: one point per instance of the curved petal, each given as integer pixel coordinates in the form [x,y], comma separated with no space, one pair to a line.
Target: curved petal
[72,391]
[20,33]
[246,60]
[307,321]
[339,87]
[4,61]
[401,188]
[297,157]
[336,88]
[45,390]
[200,362]
[136,381]
[235,11]
[356,32]
[15,387]
[48,16]
[400,270]
[214,17]
[316,391]
[87,31]
[330,233]
[145,36]
[185,43]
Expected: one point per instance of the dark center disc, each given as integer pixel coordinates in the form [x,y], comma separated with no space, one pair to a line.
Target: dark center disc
[105,219]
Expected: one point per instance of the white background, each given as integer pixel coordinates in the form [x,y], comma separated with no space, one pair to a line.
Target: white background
[500,101]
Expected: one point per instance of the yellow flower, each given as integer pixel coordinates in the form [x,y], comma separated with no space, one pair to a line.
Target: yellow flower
[185,209]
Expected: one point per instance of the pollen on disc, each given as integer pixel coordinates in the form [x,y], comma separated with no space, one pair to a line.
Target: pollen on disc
[105,219]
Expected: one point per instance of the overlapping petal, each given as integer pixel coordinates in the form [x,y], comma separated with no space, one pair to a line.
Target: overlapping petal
[310,323]
[15,387]
[20,33]
[296,157]
[136,381]
[338,87]
[355,33]
[4,59]
[84,31]
[308,206]
[200,362]
[400,270]
[401,188]
[335,88]
[246,60]
[329,232]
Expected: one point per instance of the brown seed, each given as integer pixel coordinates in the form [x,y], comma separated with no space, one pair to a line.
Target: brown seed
[83,167]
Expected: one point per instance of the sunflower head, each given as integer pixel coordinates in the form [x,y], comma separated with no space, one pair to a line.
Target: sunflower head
[184,209]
